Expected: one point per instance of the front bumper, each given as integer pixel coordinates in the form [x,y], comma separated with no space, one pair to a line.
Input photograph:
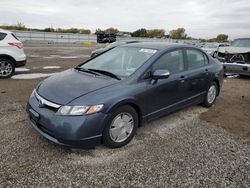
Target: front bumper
[21,63]
[71,131]
[237,68]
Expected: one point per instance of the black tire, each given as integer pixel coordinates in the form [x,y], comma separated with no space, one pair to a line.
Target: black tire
[206,102]
[107,140]
[9,62]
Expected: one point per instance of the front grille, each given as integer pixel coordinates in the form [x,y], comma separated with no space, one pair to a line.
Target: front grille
[44,102]
[239,58]
[232,58]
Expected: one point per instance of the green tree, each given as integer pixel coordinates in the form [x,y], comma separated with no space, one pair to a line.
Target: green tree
[222,38]
[72,30]
[18,26]
[178,33]
[85,31]
[49,29]
[140,33]
[111,30]
[158,33]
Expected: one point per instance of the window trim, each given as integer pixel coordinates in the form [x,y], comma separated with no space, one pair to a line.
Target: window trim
[198,50]
[164,53]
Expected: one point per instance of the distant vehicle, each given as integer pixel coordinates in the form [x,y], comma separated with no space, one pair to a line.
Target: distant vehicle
[105,99]
[211,48]
[111,46]
[103,37]
[11,54]
[236,58]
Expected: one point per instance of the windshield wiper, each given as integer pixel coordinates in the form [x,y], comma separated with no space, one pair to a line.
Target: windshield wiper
[107,73]
[86,70]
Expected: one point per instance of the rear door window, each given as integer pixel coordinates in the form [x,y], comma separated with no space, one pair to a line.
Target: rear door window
[196,59]
[2,36]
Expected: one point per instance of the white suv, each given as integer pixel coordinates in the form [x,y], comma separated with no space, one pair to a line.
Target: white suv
[11,54]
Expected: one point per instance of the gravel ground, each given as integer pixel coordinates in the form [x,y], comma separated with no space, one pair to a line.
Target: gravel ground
[194,147]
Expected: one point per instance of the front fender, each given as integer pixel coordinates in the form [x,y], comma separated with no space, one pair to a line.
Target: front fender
[122,102]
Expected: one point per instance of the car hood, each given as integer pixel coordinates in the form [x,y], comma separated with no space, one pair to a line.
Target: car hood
[209,50]
[66,86]
[234,50]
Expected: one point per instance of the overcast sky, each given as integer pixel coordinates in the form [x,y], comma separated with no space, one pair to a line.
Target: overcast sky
[200,18]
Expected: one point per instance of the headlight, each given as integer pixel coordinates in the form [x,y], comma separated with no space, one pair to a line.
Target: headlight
[78,110]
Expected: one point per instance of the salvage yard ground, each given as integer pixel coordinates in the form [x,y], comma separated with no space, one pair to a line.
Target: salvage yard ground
[192,147]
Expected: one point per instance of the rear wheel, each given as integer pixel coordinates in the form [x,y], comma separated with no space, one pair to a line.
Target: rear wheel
[7,68]
[121,127]
[211,95]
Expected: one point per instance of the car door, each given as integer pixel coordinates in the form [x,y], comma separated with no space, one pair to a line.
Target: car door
[164,95]
[198,73]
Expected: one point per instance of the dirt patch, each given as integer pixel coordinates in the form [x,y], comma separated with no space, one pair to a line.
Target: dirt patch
[232,109]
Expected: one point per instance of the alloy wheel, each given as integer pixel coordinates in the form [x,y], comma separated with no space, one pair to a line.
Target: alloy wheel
[211,95]
[5,68]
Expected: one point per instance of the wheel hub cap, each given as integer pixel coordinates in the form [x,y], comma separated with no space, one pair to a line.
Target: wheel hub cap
[121,127]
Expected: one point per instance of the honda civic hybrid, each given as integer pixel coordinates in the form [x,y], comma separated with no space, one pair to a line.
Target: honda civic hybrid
[105,99]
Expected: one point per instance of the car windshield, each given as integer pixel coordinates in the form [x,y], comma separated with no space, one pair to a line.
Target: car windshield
[120,61]
[210,45]
[241,43]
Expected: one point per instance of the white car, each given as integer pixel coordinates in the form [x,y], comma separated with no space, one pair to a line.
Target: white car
[11,54]
[210,48]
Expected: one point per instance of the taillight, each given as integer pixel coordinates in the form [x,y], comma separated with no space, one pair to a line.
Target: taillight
[16,44]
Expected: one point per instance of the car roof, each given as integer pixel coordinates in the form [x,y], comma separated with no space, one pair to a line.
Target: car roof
[5,31]
[157,45]
[129,41]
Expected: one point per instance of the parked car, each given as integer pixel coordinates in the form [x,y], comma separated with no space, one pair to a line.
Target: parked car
[212,47]
[111,46]
[105,99]
[11,54]
[103,37]
[236,58]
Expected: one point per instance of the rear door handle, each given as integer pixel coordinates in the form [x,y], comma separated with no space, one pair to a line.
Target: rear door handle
[182,79]
[206,71]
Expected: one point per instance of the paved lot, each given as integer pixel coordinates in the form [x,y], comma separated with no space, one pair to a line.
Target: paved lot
[195,147]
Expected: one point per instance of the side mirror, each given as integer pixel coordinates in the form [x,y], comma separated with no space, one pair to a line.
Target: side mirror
[160,74]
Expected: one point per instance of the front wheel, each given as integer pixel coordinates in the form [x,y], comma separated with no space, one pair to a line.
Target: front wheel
[211,95]
[121,127]
[7,68]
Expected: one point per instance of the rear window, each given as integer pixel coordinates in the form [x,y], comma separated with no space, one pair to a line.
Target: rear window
[2,36]
[14,36]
